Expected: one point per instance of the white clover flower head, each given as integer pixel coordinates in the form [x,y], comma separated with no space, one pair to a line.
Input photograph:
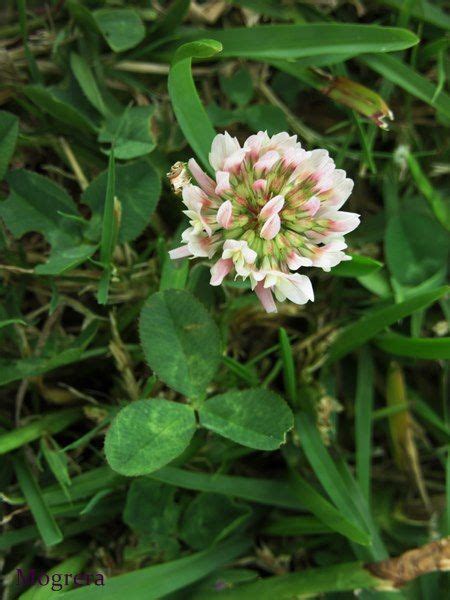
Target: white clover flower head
[272,209]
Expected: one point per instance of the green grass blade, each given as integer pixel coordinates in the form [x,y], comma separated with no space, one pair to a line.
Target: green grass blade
[110,230]
[294,526]
[242,371]
[157,581]
[407,78]
[262,491]
[84,486]
[426,413]
[326,512]
[425,11]
[32,65]
[310,583]
[383,413]
[49,530]
[8,322]
[80,525]
[325,469]
[308,39]
[107,241]
[57,462]
[287,357]
[87,82]
[50,423]
[425,348]
[365,143]
[437,204]
[376,550]
[173,17]
[446,412]
[365,328]
[74,564]
[9,132]
[191,115]
[447,493]
[363,420]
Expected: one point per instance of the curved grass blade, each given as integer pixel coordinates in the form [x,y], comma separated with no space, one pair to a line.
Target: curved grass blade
[373,322]
[426,348]
[190,113]
[8,322]
[308,39]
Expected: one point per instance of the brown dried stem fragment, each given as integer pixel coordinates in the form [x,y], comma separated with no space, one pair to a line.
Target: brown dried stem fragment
[434,556]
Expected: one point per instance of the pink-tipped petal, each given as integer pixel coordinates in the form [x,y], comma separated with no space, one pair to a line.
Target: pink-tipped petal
[225,214]
[223,147]
[259,185]
[328,256]
[267,160]
[272,207]
[292,157]
[194,197]
[181,252]
[271,227]
[295,261]
[296,288]
[234,161]
[312,206]
[340,190]
[282,141]
[254,144]
[204,181]
[344,222]
[220,270]
[265,297]
[223,182]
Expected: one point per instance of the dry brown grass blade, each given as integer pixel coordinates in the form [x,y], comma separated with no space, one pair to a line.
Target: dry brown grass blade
[402,428]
